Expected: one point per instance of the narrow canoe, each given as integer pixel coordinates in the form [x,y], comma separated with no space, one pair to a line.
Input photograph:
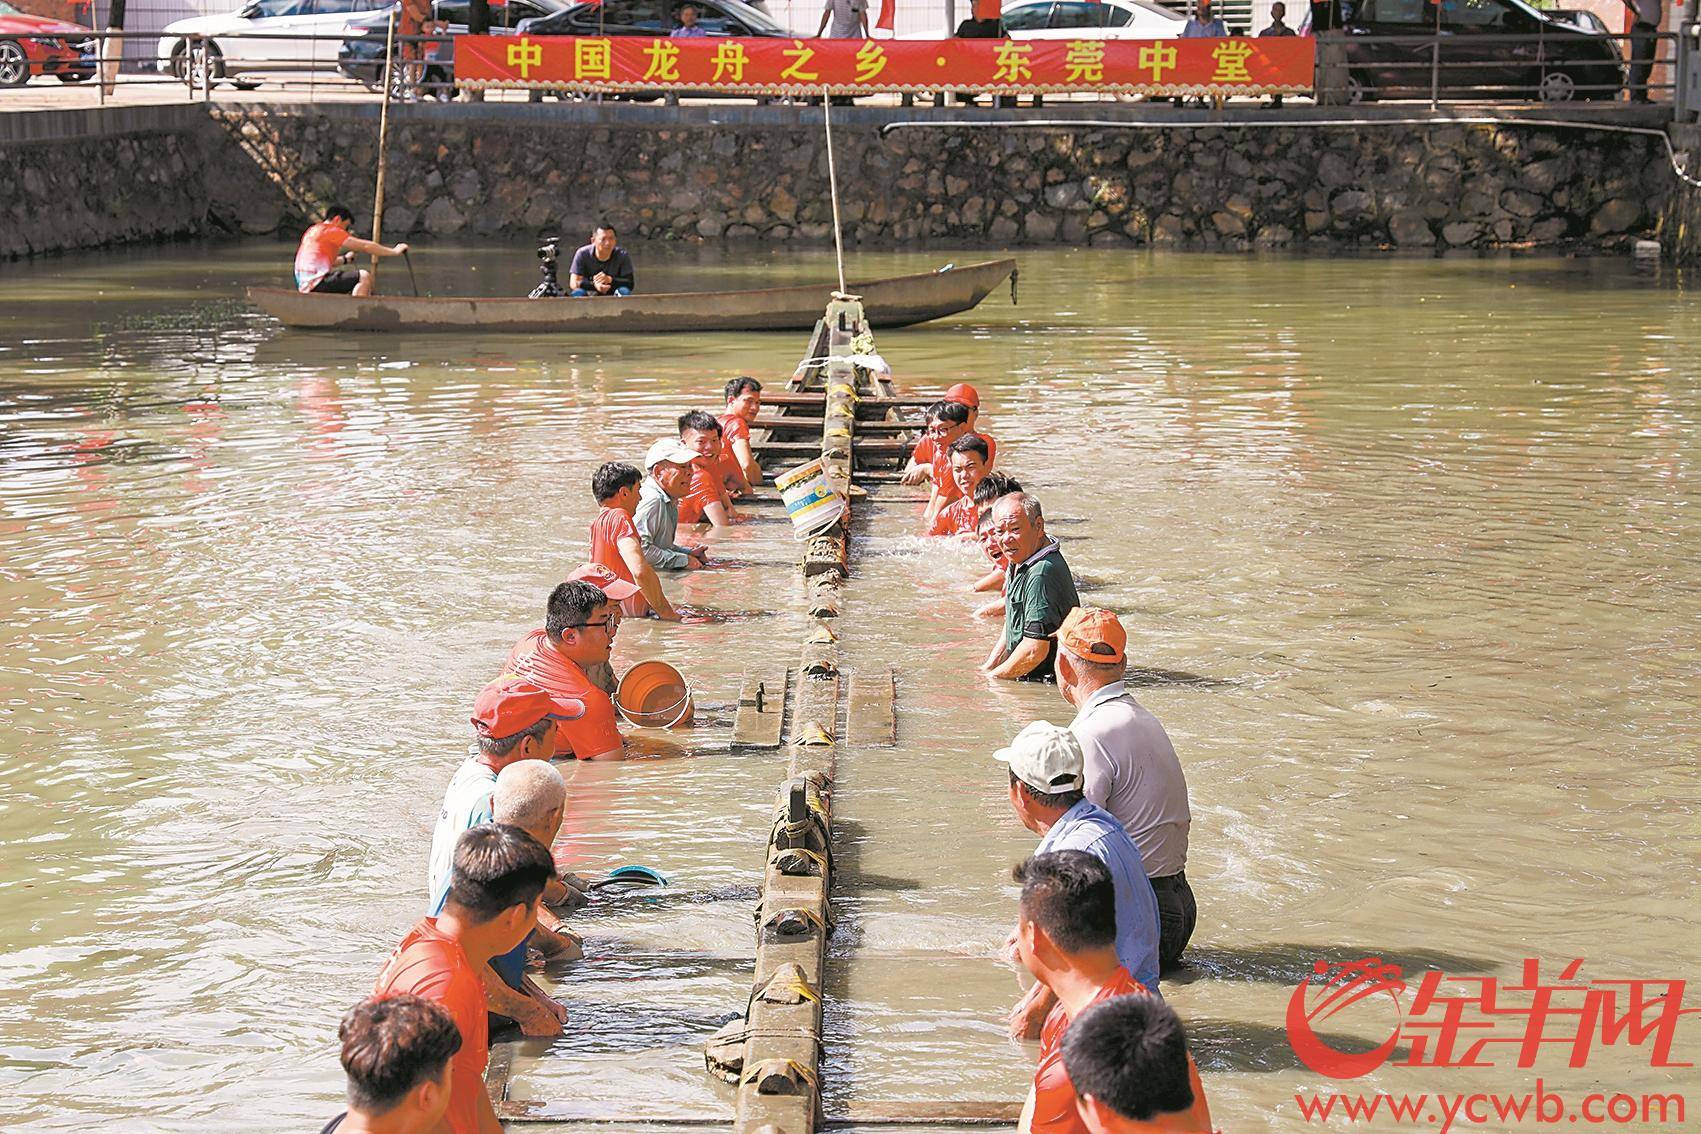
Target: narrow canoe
[896,302]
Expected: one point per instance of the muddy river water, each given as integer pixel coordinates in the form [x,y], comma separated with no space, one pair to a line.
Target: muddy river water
[1407,550]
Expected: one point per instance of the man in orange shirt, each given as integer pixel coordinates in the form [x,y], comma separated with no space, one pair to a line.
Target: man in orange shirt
[968,469]
[1066,937]
[615,543]
[921,457]
[396,1055]
[328,243]
[1128,1060]
[738,465]
[578,631]
[706,500]
[494,888]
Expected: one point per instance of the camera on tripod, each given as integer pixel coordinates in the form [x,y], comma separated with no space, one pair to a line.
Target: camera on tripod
[549,263]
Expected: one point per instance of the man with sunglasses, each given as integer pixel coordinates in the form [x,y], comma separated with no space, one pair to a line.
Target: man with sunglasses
[578,633]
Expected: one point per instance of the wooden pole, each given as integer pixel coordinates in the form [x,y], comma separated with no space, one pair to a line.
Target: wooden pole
[833,184]
[383,144]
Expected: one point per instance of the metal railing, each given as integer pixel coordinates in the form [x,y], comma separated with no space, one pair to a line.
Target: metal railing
[1431,68]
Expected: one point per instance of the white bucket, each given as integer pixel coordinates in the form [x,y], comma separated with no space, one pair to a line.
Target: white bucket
[811,504]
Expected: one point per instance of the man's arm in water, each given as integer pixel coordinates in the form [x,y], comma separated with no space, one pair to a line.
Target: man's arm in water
[534,1019]
[1024,659]
[747,463]
[991,581]
[645,576]
[993,609]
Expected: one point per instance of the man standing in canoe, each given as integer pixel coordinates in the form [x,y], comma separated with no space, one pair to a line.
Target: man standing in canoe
[325,245]
[601,267]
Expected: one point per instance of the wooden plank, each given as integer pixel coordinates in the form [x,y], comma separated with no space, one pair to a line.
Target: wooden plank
[871,718]
[761,709]
[893,448]
[857,1112]
[806,400]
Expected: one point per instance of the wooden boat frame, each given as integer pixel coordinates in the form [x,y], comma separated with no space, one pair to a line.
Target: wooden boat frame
[897,302]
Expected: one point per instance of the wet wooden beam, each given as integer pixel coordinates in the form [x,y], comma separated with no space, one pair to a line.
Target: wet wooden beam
[871,718]
[809,400]
[761,709]
[860,1112]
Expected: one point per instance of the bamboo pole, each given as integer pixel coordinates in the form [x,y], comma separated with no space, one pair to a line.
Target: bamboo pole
[833,183]
[383,144]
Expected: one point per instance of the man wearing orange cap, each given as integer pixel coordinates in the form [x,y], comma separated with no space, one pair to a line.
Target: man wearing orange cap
[1131,767]
[514,720]
[578,631]
[928,449]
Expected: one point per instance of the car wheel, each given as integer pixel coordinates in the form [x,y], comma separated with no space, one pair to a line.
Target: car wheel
[1357,90]
[1557,86]
[203,64]
[14,64]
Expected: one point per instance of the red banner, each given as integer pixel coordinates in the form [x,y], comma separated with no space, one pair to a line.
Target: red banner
[851,66]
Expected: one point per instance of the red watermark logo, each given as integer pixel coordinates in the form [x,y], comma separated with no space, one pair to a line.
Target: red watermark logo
[1473,1021]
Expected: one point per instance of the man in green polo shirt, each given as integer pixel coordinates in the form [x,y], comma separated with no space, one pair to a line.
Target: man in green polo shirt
[1038,594]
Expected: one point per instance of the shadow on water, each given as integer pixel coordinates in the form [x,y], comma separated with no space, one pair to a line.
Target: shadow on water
[1237,1045]
[849,878]
[1291,964]
[1145,677]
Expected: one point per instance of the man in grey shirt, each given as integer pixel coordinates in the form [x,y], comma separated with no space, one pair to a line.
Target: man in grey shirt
[1131,767]
[668,474]
[850,19]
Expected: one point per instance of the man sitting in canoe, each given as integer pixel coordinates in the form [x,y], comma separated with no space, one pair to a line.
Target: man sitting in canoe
[601,267]
[325,245]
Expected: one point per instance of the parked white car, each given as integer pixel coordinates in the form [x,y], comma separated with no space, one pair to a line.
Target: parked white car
[1092,19]
[229,45]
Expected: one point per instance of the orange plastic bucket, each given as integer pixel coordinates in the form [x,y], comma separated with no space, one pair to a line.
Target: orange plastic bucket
[653,694]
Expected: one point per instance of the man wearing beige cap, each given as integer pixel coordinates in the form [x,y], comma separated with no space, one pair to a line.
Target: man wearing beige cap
[1131,767]
[667,468]
[1046,774]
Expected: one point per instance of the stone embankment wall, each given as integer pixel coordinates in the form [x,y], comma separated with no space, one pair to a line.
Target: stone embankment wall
[470,171]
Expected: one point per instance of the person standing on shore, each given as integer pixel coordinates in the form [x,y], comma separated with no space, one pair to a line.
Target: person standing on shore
[1045,765]
[849,19]
[1646,16]
[497,879]
[1130,765]
[1039,592]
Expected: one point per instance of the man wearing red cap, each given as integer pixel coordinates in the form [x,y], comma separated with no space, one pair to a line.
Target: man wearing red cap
[922,457]
[514,721]
[1131,767]
[578,631]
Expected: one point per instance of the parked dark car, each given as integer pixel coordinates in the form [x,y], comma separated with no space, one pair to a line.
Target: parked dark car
[361,57]
[1557,63]
[654,18]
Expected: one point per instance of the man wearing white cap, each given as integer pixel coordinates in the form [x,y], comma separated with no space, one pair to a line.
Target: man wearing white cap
[1047,773]
[667,476]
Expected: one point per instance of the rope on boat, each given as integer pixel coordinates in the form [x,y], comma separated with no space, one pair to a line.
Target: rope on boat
[833,184]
